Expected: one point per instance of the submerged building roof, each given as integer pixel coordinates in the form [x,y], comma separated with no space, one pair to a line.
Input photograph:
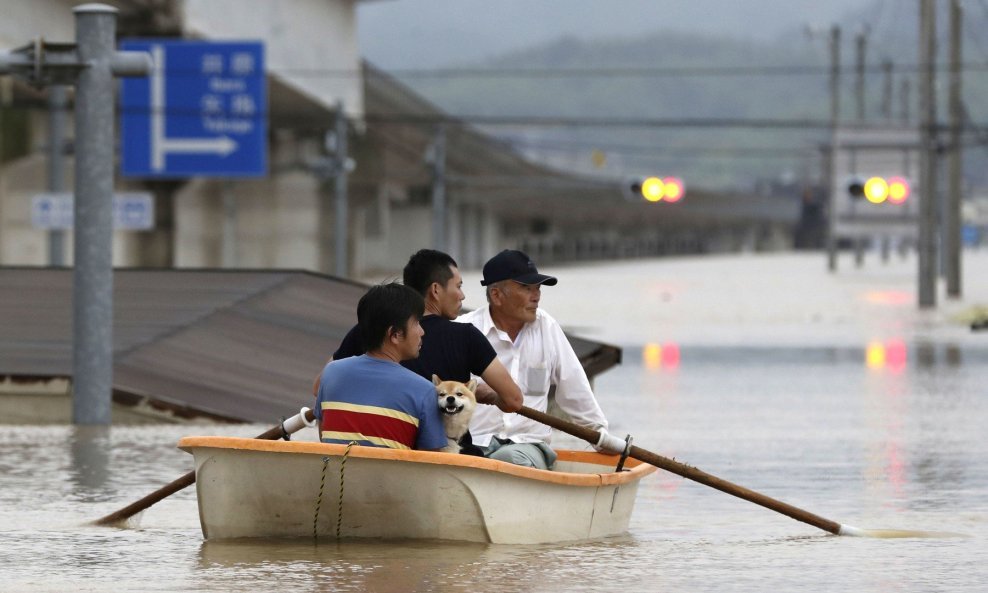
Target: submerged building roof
[229,344]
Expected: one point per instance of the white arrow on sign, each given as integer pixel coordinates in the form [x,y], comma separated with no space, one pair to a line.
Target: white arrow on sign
[161,145]
[222,145]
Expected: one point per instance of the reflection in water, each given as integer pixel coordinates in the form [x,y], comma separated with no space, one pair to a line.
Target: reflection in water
[370,565]
[926,356]
[656,356]
[812,426]
[893,355]
[89,472]
[895,298]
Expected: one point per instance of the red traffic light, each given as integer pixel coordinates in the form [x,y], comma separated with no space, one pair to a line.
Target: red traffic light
[898,190]
[674,189]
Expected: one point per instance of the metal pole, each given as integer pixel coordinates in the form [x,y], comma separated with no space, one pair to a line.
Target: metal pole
[887,90]
[834,117]
[228,250]
[92,368]
[904,92]
[952,240]
[341,192]
[928,201]
[56,165]
[861,43]
[439,189]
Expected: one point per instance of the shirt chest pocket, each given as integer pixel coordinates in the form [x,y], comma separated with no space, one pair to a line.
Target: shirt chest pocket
[536,379]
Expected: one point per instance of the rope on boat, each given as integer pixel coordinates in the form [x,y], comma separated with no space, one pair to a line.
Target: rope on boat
[339,510]
[322,482]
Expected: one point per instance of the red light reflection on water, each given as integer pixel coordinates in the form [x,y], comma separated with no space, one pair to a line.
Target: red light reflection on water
[656,356]
[895,355]
[889,297]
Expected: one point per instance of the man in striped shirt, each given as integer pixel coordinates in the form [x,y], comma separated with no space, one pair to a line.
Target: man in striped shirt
[371,399]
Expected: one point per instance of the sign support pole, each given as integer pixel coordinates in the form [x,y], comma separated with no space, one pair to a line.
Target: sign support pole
[92,306]
[90,64]
[57,102]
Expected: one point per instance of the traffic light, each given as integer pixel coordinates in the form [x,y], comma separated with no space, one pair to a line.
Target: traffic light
[654,189]
[898,190]
[879,190]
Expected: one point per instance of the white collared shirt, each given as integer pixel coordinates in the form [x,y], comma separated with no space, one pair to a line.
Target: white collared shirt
[539,357]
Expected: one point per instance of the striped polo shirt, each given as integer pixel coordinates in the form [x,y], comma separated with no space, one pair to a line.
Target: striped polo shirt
[378,403]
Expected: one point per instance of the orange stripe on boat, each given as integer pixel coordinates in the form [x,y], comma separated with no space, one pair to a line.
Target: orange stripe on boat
[634,469]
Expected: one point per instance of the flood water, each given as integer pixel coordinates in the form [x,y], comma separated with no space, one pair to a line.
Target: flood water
[849,405]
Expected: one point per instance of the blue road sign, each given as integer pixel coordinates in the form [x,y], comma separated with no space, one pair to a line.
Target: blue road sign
[202,112]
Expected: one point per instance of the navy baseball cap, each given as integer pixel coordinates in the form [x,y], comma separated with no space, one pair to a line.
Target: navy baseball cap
[512,264]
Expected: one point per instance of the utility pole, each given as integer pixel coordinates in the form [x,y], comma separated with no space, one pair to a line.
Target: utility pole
[57,103]
[340,185]
[437,158]
[952,230]
[90,64]
[927,296]
[887,90]
[834,118]
[861,43]
[904,91]
[335,165]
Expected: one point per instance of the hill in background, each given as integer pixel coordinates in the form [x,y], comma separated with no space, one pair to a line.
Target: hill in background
[674,75]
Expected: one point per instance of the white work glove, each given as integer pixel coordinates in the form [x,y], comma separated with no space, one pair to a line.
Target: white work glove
[608,443]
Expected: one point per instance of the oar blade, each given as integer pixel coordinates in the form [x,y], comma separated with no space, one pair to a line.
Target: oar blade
[897,533]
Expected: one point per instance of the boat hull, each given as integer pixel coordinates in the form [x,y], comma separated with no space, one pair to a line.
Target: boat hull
[255,488]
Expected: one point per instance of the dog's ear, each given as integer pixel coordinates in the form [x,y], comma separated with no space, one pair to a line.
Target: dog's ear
[472,385]
[435,379]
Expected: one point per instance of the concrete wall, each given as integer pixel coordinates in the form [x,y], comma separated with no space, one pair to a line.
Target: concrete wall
[274,223]
[23,20]
[308,42]
[23,245]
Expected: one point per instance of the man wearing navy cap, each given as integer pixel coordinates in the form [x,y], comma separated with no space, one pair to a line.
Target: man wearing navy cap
[532,346]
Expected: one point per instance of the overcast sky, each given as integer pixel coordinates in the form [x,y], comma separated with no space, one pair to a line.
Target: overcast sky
[431,33]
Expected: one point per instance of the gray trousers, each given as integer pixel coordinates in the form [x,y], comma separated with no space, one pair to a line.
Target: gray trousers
[537,455]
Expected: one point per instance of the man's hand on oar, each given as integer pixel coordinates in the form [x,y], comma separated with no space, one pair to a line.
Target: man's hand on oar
[692,473]
[304,418]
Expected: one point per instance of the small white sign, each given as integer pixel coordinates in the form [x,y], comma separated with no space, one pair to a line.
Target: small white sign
[132,211]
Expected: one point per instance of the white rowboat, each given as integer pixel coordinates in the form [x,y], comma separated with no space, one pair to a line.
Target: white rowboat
[260,488]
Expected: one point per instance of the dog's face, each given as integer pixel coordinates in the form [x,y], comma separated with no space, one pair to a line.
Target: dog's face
[455,398]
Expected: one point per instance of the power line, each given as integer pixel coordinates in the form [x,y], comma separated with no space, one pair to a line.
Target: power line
[599,72]
[550,121]
[738,151]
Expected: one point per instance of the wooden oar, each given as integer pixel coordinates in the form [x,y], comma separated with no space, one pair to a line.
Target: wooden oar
[292,425]
[692,473]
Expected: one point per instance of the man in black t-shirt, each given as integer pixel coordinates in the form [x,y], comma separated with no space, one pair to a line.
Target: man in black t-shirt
[452,351]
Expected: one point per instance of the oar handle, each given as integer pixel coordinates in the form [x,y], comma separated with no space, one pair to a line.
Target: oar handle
[305,417]
[689,472]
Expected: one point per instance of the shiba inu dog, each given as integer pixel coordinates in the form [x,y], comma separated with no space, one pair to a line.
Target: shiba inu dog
[456,403]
